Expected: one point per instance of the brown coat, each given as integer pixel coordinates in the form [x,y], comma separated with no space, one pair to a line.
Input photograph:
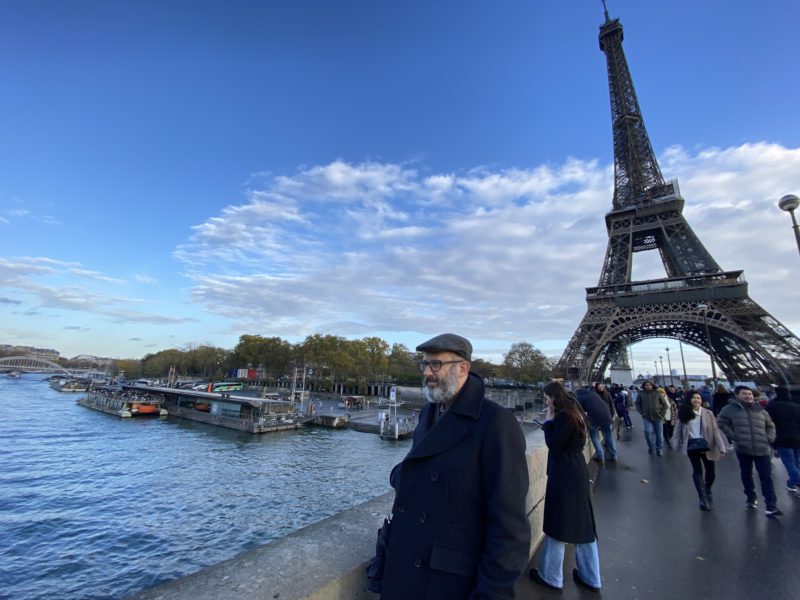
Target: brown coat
[711,432]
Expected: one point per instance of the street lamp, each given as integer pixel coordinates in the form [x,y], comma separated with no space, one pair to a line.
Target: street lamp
[663,377]
[669,364]
[655,367]
[789,204]
[683,362]
[703,308]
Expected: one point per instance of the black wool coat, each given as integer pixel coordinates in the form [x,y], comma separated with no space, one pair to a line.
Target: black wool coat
[786,416]
[460,528]
[568,513]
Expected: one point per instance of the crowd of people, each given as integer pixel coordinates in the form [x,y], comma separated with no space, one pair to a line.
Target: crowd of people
[459,527]
[706,425]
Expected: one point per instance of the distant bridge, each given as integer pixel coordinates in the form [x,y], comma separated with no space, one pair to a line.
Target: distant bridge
[31,364]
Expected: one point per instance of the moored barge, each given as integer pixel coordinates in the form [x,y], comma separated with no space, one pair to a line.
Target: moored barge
[124,403]
[224,409]
[70,384]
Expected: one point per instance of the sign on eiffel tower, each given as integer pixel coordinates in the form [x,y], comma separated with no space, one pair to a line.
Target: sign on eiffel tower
[697,303]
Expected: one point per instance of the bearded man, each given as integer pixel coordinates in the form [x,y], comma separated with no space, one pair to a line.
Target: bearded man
[459,526]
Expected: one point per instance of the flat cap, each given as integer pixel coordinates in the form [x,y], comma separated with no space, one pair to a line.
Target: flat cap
[448,342]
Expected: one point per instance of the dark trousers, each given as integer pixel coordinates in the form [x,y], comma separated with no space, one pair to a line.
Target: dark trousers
[763,465]
[669,429]
[701,463]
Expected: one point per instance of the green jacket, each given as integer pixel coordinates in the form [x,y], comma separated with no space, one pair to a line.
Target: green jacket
[651,405]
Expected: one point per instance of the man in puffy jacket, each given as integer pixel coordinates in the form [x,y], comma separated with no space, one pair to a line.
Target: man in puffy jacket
[653,409]
[600,419]
[785,413]
[752,431]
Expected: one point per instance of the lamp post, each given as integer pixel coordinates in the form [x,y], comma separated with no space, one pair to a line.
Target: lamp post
[703,308]
[789,204]
[663,376]
[669,364]
[655,368]
[683,362]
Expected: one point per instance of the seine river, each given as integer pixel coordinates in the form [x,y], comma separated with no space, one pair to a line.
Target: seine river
[94,506]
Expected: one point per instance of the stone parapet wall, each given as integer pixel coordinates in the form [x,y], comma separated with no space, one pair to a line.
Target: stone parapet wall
[326,560]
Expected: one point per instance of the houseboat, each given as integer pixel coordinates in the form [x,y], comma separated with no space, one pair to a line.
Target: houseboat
[123,403]
[70,384]
[225,409]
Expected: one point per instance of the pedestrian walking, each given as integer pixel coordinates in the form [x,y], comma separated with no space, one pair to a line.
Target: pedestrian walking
[459,527]
[568,512]
[650,405]
[705,394]
[698,430]
[621,406]
[670,415]
[720,399]
[752,431]
[600,420]
[607,397]
[785,413]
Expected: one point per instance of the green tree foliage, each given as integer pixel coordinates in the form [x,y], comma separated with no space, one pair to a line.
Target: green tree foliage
[328,357]
[273,354]
[526,364]
[484,368]
[207,362]
[130,366]
[328,360]
[402,364]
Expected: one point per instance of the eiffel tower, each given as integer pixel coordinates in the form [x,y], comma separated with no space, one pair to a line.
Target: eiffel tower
[697,303]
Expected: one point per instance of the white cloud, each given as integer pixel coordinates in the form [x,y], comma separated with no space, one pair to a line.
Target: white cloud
[97,276]
[146,279]
[351,249]
[49,283]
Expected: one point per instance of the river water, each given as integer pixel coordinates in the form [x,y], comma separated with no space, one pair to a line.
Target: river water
[95,506]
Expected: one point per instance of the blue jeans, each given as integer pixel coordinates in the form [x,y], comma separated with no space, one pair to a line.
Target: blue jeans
[625,416]
[791,460]
[551,562]
[651,428]
[764,467]
[594,434]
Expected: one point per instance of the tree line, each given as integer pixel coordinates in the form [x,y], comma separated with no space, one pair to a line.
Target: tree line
[327,359]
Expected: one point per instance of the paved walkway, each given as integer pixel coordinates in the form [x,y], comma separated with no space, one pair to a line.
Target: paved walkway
[655,543]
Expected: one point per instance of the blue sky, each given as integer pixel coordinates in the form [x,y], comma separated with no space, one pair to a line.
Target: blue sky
[177,173]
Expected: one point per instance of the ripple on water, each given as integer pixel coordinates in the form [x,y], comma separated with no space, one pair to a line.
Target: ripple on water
[93,506]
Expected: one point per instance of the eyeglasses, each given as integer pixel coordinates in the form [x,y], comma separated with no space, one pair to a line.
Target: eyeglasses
[435,365]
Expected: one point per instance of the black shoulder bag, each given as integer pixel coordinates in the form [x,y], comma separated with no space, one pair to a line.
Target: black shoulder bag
[698,444]
[375,566]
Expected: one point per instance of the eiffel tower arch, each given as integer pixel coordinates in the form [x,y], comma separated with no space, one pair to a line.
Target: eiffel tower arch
[697,303]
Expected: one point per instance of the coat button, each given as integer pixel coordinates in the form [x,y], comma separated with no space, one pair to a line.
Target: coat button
[434,476]
[423,517]
[418,562]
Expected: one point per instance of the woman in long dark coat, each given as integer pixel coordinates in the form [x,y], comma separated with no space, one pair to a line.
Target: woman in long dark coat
[568,514]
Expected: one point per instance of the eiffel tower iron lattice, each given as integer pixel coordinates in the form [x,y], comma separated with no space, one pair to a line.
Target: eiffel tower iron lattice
[697,303]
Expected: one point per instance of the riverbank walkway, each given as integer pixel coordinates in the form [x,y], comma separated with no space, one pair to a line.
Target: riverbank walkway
[656,544]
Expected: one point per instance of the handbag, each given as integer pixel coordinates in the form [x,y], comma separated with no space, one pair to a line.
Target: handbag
[697,444]
[375,566]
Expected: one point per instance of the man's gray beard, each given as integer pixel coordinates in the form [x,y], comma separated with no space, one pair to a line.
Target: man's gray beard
[444,390]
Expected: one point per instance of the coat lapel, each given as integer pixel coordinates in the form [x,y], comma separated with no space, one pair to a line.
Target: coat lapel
[449,429]
[445,434]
